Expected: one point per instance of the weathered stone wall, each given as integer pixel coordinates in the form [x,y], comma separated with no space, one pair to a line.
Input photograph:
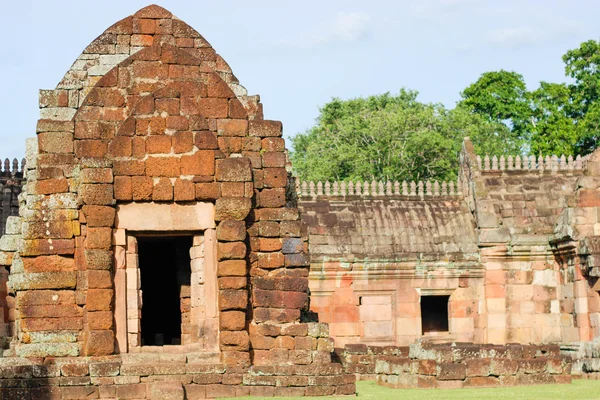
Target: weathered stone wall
[516,208]
[512,244]
[373,256]
[463,364]
[150,133]
[468,365]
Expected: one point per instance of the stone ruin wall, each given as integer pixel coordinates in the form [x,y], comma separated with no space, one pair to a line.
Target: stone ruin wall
[512,243]
[150,133]
[444,366]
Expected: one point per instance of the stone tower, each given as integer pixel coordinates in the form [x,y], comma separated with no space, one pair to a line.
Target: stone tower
[156,230]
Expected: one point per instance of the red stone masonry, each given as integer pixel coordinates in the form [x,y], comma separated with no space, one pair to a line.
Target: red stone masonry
[149,113]
[458,365]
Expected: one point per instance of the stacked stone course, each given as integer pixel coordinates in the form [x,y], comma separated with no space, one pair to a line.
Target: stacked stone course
[467,365]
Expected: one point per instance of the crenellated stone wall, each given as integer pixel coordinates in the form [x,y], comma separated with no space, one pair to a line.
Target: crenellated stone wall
[11,182]
[512,244]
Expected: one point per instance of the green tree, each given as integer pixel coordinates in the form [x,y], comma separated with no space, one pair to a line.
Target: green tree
[392,138]
[583,66]
[500,96]
[553,131]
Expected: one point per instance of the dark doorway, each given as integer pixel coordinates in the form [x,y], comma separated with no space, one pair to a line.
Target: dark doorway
[164,264]
[434,314]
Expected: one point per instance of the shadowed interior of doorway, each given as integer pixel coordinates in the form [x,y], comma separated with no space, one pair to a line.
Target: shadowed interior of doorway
[165,283]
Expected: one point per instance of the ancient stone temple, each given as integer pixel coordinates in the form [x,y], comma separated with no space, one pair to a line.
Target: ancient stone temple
[157,253]
[508,254]
[156,246]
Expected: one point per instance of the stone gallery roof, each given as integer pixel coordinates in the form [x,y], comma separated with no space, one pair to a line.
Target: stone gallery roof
[439,228]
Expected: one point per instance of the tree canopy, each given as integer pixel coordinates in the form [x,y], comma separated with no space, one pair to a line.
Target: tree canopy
[396,137]
[391,137]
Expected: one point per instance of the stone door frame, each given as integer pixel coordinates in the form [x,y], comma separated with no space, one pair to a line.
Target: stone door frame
[155,219]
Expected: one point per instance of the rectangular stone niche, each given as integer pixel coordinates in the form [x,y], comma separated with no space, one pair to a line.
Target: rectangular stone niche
[166,291]
[434,314]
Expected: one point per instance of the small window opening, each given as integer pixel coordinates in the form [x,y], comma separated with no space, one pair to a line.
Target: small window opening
[434,314]
[165,274]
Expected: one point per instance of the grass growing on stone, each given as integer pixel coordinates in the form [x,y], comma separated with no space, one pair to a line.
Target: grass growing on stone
[369,390]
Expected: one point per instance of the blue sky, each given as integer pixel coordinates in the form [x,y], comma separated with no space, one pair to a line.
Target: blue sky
[297,55]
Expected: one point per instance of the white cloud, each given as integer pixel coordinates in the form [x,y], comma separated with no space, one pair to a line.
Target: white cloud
[528,35]
[440,8]
[516,36]
[345,27]
[350,26]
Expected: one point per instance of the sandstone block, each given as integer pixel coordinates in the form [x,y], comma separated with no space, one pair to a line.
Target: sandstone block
[13,225]
[184,190]
[166,391]
[233,170]
[96,194]
[99,216]
[163,167]
[99,299]
[232,208]
[235,341]
[233,299]
[123,188]
[99,343]
[99,238]
[271,260]
[43,280]
[207,191]
[206,140]
[232,268]
[51,186]
[232,282]
[265,128]
[96,175]
[271,198]
[230,231]
[232,320]
[231,250]
[200,163]
[55,142]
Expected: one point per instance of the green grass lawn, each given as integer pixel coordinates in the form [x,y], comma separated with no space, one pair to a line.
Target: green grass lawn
[579,389]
